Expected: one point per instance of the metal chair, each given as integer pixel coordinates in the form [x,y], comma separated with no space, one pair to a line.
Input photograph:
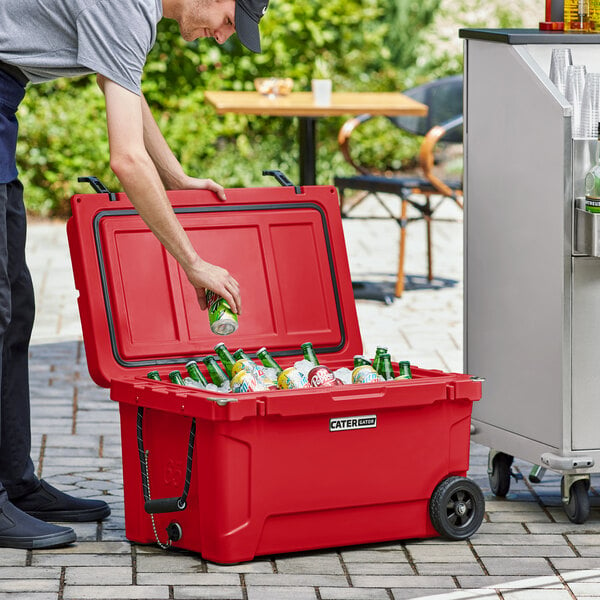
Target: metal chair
[444,99]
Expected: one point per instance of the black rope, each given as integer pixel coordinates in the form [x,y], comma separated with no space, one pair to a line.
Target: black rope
[140,440]
[181,503]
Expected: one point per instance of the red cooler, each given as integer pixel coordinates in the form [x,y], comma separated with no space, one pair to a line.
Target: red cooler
[233,476]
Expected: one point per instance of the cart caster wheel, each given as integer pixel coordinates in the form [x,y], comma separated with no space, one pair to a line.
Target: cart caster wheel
[456,508]
[499,474]
[577,508]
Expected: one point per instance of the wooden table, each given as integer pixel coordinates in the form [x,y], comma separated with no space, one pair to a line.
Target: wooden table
[301,105]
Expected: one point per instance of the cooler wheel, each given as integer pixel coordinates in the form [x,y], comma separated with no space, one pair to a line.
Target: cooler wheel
[577,507]
[456,508]
[499,473]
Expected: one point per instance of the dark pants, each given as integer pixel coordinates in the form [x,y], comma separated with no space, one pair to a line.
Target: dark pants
[16,309]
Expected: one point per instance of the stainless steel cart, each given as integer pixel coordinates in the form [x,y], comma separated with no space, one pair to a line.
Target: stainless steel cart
[532,275]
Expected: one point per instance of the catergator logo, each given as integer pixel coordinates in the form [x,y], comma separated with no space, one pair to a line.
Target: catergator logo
[346,423]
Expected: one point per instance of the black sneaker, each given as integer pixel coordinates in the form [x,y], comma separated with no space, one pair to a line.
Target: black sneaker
[20,530]
[49,504]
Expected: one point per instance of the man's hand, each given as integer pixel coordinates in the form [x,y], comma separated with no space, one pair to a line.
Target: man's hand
[193,183]
[203,275]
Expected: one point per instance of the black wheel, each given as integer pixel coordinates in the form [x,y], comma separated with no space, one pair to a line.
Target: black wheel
[578,506]
[456,508]
[500,475]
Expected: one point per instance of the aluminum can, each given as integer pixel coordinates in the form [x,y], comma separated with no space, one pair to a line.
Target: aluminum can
[321,376]
[364,374]
[221,318]
[244,381]
[251,367]
[292,379]
[242,364]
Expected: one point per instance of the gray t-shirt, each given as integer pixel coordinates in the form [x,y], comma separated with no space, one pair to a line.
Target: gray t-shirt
[48,39]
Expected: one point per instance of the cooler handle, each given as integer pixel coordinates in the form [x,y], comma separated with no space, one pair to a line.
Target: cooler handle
[283,179]
[163,505]
[98,186]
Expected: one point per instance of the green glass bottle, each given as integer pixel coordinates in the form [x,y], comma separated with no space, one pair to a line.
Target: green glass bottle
[378,352]
[218,376]
[309,353]
[226,358]
[267,360]
[154,375]
[385,366]
[404,370]
[194,372]
[175,377]
[239,354]
[360,360]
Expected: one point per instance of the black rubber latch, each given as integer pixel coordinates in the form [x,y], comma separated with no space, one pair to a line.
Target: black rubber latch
[282,179]
[98,186]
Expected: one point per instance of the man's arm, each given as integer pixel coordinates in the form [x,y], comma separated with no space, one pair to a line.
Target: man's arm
[169,168]
[136,170]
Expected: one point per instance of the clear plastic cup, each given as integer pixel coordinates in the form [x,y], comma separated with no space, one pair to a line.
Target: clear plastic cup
[574,85]
[590,106]
[560,59]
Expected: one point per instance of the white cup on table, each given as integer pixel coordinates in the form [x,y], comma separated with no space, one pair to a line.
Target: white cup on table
[321,89]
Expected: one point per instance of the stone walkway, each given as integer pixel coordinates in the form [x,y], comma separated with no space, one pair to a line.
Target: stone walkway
[526,549]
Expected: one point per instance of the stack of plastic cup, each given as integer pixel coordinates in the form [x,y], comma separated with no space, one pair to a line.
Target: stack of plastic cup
[574,84]
[590,106]
[560,59]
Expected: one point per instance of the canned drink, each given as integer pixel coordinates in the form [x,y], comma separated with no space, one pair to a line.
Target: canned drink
[221,318]
[364,374]
[251,367]
[242,365]
[244,381]
[292,379]
[321,376]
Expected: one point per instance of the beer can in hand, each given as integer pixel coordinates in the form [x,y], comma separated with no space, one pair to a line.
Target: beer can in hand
[222,319]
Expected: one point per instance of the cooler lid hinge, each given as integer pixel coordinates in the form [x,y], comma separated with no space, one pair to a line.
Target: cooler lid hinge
[98,186]
[282,179]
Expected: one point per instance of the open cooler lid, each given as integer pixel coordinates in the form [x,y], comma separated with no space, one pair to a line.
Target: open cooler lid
[284,245]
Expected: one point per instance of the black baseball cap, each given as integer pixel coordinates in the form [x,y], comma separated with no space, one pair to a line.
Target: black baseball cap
[247,15]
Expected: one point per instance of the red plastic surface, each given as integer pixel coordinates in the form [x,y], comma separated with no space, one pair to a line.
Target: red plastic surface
[270,475]
[287,251]
[270,472]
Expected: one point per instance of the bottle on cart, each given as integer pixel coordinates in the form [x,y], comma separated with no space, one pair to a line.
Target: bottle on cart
[384,367]
[226,357]
[592,182]
[154,375]
[267,360]
[175,377]
[194,372]
[217,375]
[577,16]
[404,371]
[309,353]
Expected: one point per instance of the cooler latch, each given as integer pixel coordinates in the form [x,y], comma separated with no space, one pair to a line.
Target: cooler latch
[282,179]
[98,186]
